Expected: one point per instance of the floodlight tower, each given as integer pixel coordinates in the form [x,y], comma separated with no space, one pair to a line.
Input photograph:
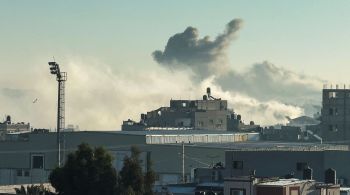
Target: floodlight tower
[61,77]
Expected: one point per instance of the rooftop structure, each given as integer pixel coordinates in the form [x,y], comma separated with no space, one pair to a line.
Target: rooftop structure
[8,127]
[210,113]
[250,185]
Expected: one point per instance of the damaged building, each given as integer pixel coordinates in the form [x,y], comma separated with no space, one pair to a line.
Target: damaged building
[209,113]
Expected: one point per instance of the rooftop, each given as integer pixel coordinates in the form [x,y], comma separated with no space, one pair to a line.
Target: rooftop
[274,146]
[284,182]
[180,132]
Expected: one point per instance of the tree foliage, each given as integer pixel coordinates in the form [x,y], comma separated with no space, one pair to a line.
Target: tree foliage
[131,178]
[87,171]
[90,172]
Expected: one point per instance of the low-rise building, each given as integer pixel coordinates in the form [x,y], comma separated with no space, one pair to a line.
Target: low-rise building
[250,185]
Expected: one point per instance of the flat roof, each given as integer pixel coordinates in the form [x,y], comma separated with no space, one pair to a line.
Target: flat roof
[272,146]
[183,132]
[284,182]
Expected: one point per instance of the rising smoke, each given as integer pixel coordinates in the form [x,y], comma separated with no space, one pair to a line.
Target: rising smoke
[100,97]
[267,87]
[203,56]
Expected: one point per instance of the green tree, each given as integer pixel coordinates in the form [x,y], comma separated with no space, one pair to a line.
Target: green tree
[150,178]
[131,179]
[86,172]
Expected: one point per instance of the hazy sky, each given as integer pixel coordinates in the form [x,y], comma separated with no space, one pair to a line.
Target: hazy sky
[306,37]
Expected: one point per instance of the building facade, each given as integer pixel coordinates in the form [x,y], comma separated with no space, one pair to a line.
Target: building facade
[335,114]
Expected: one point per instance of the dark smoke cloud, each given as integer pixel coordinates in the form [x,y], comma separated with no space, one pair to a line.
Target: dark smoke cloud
[201,55]
[262,81]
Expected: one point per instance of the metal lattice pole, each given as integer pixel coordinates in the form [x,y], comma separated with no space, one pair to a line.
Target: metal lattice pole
[61,77]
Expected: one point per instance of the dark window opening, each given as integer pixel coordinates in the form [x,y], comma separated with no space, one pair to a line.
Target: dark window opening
[237,191]
[301,166]
[26,173]
[238,164]
[38,162]
[19,173]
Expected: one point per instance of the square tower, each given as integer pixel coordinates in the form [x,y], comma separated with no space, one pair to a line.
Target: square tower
[335,114]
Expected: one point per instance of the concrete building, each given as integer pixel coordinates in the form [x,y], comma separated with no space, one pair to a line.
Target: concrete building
[285,159]
[7,127]
[210,113]
[335,114]
[250,185]
[31,157]
[296,187]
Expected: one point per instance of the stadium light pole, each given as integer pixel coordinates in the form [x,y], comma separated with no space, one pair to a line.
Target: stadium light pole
[61,77]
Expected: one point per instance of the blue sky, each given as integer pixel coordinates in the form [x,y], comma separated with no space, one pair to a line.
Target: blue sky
[308,37]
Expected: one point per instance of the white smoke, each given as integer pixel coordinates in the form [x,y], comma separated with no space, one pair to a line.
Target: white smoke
[100,96]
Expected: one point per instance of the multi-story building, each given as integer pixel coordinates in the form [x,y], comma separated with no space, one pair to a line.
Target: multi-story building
[207,114]
[335,114]
[7,127]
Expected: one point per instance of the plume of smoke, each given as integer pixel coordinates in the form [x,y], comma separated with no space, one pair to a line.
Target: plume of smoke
[262,112]
[263,82]
[203,56]
[266,81]
[97,97]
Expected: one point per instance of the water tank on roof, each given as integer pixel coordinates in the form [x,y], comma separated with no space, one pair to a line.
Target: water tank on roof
[331,176]
[208,90]
[307,173]
[239,117]
[205,97]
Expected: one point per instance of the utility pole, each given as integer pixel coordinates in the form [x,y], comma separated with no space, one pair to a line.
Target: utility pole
[183,163]
[61,77]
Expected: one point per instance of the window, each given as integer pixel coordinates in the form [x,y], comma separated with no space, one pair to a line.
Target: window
[184,104]
[294,190]
[218,125]
[332,94]
[237,191]
[37,162]
[301,166]
[19,173]
[200,123]
[211,121]
[333,128]
[26,173]
[331,111]
[237,164]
